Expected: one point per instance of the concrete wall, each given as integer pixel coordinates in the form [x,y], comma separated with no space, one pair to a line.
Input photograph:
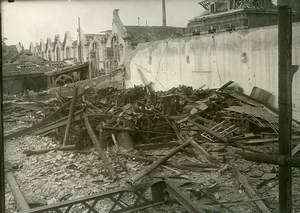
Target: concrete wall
[248,57]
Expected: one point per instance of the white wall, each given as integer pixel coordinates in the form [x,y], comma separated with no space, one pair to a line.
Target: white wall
[216,59]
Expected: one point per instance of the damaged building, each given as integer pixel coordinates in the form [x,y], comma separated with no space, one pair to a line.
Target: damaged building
[203,118]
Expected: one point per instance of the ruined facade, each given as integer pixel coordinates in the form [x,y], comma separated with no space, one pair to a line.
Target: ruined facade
[229,15]
[124,39]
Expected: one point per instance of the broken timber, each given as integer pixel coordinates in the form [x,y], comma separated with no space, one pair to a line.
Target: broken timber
[61,122]
[242,179]
[204,152]
[280,160]
[45,121]
[71,112]
[159,162]
[98,146]
[41,151]
[18,195]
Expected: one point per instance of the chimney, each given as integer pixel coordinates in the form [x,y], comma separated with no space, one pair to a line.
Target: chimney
[164,19]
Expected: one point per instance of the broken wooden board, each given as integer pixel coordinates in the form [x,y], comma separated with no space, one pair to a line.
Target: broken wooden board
[44,122]
[18,195]
[157,163]
[242,179]
[70,117]
[98,146]
[55,125]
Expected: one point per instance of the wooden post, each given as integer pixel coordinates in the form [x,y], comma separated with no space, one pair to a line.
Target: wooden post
[71,112]
[98,146]
[2,176]
[285,100]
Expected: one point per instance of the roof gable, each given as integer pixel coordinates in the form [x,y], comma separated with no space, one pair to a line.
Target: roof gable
[67,39]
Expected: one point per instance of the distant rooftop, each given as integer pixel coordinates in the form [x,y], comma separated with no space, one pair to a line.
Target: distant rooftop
[153,33]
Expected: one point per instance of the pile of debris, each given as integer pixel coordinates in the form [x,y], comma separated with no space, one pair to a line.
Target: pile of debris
[125,124]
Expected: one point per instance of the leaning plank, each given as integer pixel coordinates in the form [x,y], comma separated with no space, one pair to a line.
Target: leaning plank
[45,121]
[18,195]
[98,146]
[242,179]
[157,163]
[41,151]
[209,131]
[71,112]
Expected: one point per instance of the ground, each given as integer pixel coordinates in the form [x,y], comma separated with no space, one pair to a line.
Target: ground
[49,177]
[57,175]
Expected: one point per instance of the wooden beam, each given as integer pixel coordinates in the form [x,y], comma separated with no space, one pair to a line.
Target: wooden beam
[157,163]
[242,179]
[71,112]
[204,152]
[41,151]
[58,123]
[18,195]
[98,146]
[285,77]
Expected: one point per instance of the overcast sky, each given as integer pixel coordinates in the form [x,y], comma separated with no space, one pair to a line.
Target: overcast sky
[27,21]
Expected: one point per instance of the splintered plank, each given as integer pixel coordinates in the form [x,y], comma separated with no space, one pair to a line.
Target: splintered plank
[71,113]
[98,146]
[242,179]
[157,163]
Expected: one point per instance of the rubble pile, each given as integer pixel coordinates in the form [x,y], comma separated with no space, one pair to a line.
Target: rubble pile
[105,139]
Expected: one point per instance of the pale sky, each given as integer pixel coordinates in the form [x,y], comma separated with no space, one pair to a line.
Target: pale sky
[31,20]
